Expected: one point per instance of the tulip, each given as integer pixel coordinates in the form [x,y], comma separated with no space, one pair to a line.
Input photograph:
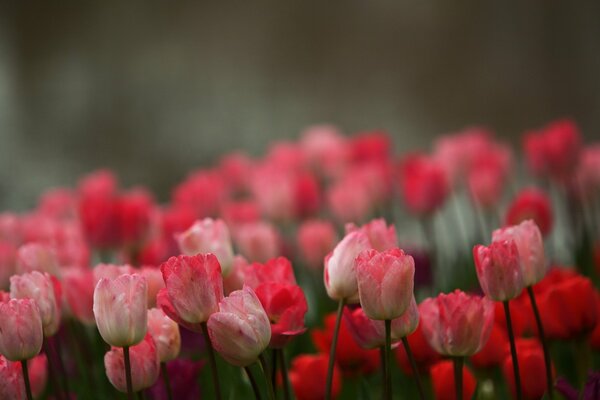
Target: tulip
[443,385]
[120,309]
[423,354]
[39,287]
[531,203]
[144,365]
[493,353]
[203,192]
[424,184]
[499,270]
[208,236]
[258,241]
[308,374]
[349,199]
[155,282]
[8,263]
[385,282]
[21,333]
[12,386]
[111,271]
[381,236]
[316,239]
[277,270]
[366,332]
[165,333]
[78,286]
[240,331]
[37,257]
[531,357]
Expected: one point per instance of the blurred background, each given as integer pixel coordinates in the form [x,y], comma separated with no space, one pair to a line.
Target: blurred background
[153,90]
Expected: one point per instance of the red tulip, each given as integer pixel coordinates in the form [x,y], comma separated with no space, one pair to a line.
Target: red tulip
[134,211]
[494,351]
[203,191]
[442,378]
[41,288]
[385,282]
[586,185]
[499,270]
[11,376]
[457,324]
[155,282]
[277,270]
[144,365]
[21,333]
[240,331]
[532,204]
[316,238]
[78,286]
[286,306]
[194,287]
[424,184]
[349,199]
[120,309]
[532,371]
[308,374]
[165,333]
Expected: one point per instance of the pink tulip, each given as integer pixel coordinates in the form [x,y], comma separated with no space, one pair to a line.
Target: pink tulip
[10,228]
[235,279]
[381,236]
[499,270]
[457,324]
[258,241]
[120,309]
[316,238]
[111,271]
[194,287]
[155,282]
[8,263]
[21,333]
[13,384]
[145,365]
[40,287]
[208,236]
[275,270]
[385,282]
[78,286]
[241,330]
[37,257]
[38,374]
[165,333]
[530,245]
[407,323]
[340,274]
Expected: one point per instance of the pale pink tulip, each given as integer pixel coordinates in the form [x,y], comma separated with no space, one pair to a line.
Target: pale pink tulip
[165,333]
[499,270]
[21,333]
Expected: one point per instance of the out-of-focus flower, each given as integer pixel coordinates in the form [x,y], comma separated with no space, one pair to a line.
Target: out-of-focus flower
[38,374]
[367,147]
[236,169]
[145,365]
[111,271]
[278,270]
[586,185]
[203,191]
[235,279]
[340,273]
[58,203]
[39,287]
[97,193]
[349,199]
[488,174]
[134,213]
[240,331]
[554,150]
[531,203]
[285,306]
[120,309]
[326,149]
[21,333]
[532,369]
[165,333]
[37,257]
[78,286]
[316,238]
[8,263]
[239,212]
[10,228]
[494,351]
[155,282]
[381,236]
[13,384]
[308,376]
[351,358]
[183,376]
[385,282]
[208,236]
[442,378]
[457,324]
[530,245]
[423,184]
[499,270]
[194,287]
[258,241]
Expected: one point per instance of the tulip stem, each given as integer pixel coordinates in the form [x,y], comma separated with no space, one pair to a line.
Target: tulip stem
[458,381]
[388,364]
[383,366]
[253,383]
[336,331]
[26,379]
[61,366]
[140,395]
[165,376]
[284,375]
[213,361]
[128,372]
[540,327]
[265,369]
[413,365]
[513,350]
[274,368]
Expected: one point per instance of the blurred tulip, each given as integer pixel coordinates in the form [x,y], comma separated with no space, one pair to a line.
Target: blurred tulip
[381,236]
[442,379]
[532,372]
[240,331]
[120,309]
[499,270]
[277,270]
[37,257]
[308,374]
[493,353]
[534,204]
[155,282]
[21,333]
[8,263]
[315,239]
[424,184]
[425,356]
[259,241]
[165,333]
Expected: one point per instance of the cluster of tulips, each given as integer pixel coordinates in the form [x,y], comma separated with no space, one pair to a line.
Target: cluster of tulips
[229,290]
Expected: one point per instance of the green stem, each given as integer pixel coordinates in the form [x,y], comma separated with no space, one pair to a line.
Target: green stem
[265,369]
[128,373]
[26,379]
[274,369]
[140,395]
[513,350]
[213,361]
[383,368]
[165,376]
[253,383]
[415,370]
[540,327]
[458,381]
[388,352]
[336,331]
[284,375]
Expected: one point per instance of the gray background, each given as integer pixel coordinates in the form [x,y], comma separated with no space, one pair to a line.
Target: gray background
[154,89]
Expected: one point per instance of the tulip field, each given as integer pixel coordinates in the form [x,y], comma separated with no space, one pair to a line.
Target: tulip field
[329,267]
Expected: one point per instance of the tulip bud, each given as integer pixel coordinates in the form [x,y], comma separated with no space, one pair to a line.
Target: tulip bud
[241,330]
[39,287]
[340,273]
[21,334]
[120,309]
[208,236]
[165,333]
[457,324]
[499,270]
[385,282]
[530,246]
[145,365]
